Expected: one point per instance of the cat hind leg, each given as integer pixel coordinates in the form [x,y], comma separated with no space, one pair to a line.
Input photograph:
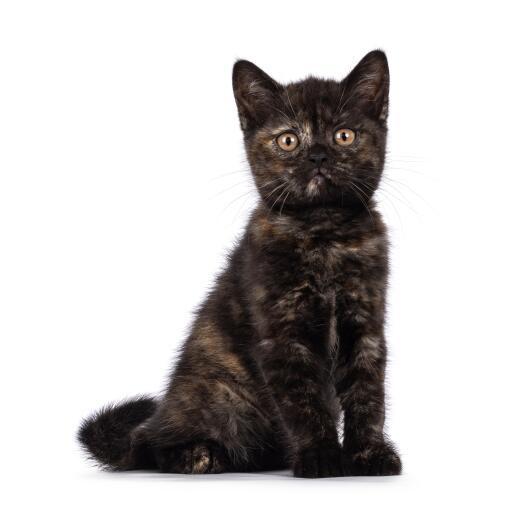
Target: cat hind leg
[194,457]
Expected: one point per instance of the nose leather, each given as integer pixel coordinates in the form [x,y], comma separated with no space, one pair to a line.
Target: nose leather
[318,155]
[318,159]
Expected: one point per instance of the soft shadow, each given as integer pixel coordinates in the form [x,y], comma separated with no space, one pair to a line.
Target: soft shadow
[237,477]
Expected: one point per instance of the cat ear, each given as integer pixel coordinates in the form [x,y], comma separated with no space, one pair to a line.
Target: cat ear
[254,92]
[368,85]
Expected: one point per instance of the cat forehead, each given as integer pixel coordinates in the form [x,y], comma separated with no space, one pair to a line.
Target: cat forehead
[314,93]
[313,102]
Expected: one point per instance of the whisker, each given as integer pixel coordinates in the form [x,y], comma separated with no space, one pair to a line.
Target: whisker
[228,189]
[381,194]
[341,97]
[279,197]
[284,201]
[362,192]
[274,190]
[393,182]
[398,198]
[290,103]
[404,158]
[240,171]
[286,117]
[237,199]
[242,206]
[356,86]
[363,202]
[386,181]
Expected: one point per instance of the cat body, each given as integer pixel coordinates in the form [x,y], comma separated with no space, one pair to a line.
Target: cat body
[291,338]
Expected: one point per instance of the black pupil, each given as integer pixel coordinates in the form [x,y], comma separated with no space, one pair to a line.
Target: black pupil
[288,141]
[344,135]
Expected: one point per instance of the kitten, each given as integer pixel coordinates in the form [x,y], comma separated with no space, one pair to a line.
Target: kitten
[292,335]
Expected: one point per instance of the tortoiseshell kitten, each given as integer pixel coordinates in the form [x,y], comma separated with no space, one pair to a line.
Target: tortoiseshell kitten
[292,335]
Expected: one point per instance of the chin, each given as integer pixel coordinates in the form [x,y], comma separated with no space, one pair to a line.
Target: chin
[320,191]
[317,187]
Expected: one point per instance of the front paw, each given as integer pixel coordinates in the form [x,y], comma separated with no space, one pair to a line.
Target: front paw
[376,459]
[318,461]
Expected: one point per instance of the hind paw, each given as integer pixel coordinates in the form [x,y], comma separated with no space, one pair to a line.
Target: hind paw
[191,458]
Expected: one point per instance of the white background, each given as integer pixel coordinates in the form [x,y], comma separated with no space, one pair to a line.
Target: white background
[123,183]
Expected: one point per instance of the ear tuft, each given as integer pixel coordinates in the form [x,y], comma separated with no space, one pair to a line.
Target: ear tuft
[368,84]
[254,91]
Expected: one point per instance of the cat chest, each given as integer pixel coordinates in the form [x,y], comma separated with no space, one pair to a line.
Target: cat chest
[345,281]
[339,266]
[349,279]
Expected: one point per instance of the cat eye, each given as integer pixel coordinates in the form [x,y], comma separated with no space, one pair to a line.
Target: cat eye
[344,137]
[287,141]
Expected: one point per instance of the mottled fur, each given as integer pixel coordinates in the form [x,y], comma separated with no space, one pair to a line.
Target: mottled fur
[292,336]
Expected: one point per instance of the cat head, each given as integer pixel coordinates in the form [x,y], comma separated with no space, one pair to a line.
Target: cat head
[315,142]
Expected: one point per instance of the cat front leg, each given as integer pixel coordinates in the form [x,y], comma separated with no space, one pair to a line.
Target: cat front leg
[366,451]
[294,365]
[296,378]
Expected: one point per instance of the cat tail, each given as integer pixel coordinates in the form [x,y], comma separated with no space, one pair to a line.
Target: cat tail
[108,435]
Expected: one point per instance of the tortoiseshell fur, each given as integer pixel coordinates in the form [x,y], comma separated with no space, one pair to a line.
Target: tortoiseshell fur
[291,338]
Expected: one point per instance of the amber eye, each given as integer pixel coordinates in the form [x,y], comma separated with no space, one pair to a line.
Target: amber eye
[288,141]
[344,136]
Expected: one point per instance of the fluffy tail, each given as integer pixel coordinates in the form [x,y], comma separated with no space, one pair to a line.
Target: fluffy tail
[106,435]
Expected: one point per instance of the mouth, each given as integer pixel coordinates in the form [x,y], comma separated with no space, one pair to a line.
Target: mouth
[320,171]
